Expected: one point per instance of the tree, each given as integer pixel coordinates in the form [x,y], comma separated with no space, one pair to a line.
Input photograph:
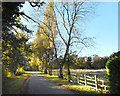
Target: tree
[70,14]
[113,71]
[96,62]
[48,29]
[104,61]
[14,42]
[99,62]
[14,52]
[88,63]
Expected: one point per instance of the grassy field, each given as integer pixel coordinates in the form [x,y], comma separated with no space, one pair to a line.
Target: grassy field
[12,85]
[101,73]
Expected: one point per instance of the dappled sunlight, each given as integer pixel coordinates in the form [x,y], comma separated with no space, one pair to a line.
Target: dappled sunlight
[76,87]
[57,87]
[79,88]
[32,74]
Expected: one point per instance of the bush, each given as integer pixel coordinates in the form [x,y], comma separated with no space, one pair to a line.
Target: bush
[113,72]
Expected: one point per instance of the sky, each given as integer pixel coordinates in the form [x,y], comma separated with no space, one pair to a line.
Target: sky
[103,26]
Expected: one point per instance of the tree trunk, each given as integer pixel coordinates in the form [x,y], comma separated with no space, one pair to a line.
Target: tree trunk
[14,72]
[50,69]
[69,77]
[45,71]
[61,72]
[42,69]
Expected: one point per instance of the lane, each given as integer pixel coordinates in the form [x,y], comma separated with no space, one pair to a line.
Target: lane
[37,84]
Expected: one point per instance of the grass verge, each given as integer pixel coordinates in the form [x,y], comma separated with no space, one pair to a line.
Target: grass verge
[12,85]
[80,89]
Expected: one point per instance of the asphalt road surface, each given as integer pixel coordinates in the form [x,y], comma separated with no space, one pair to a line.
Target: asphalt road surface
[37,84]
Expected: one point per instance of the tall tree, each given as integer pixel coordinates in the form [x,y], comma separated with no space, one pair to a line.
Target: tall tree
[68,14]
[48,29]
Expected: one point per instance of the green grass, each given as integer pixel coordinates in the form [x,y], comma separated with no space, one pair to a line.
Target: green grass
[12,85]
[74,87]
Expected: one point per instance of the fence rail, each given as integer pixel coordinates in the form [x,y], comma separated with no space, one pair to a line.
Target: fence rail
[86,80]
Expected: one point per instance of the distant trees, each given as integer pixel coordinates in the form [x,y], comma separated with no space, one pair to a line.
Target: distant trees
[99,62]
[90,62]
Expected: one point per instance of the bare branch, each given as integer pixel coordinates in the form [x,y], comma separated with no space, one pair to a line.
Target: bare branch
[37,4]
[58,29]
[67,13]
[62,15]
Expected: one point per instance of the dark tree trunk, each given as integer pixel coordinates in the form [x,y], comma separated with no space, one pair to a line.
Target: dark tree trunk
[61,72]
[45,71]
[69,77]
[50,70]
[14,72]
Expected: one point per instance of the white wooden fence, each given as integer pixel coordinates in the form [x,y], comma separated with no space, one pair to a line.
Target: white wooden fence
[86,80]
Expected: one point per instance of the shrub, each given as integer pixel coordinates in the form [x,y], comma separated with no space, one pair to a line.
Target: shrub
[113,72]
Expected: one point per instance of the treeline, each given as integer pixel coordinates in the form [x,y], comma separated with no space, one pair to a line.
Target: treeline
[94,62]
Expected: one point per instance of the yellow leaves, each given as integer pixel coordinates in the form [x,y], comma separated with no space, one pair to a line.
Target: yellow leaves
[9,74]
[8,45]
[54,26]
[66,23]
[6,52]
[19,69]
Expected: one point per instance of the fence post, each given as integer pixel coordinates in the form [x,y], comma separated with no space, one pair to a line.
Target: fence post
[102,82]
[56,72]
[78,79]
[85,79]
[96,81]
[52,73]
